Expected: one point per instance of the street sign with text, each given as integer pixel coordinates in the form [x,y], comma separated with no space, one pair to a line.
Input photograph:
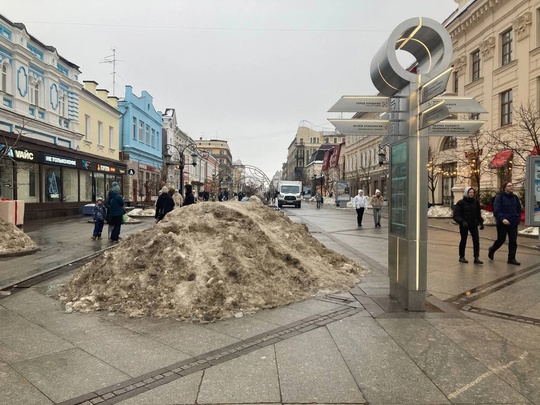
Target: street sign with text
[459,104]
[361,127]
[434,114]
[361,104]
[435,86]
[455,128]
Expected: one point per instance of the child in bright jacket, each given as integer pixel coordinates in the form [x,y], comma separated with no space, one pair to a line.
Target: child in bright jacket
[98,214]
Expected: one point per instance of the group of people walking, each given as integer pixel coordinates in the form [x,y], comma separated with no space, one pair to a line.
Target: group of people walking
[467,214]
[111,210]
[360,203]
[507,212]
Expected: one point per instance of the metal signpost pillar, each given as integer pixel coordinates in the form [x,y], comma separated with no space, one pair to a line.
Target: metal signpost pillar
[411,115]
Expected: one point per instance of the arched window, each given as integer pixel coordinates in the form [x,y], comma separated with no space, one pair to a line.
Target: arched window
[62,105]
[4,79]
[450,142]
[35,92]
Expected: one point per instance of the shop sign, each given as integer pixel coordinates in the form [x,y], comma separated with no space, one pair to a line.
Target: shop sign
[105,168]
[58,160]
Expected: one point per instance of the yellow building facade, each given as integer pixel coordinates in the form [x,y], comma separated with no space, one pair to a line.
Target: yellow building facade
[99,121]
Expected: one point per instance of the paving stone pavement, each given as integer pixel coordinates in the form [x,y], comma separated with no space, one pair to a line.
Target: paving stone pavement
[477,343]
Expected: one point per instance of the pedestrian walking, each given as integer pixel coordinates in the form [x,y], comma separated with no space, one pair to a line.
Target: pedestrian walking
[190,198]
[115,188]
[116,212]
[98,215]
[360,202]
[319,199]
[377,202]
[507,212]
[178,199]
[164,204]
[467,215]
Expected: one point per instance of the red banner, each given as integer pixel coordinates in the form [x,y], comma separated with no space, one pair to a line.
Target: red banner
[334,159]
[326,160]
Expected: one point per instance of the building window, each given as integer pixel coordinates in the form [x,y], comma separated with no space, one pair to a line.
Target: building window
[455,82]
[87,128]
[134,130]
[507,45]
[148,134]
[62,105]
[111,138]
[100,133]
[475,65]
[34,94]
[153,138]
[450,142]
[141,131]
[4,80]
[506,108]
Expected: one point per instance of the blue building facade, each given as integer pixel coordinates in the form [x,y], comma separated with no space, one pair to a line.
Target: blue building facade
[141,144]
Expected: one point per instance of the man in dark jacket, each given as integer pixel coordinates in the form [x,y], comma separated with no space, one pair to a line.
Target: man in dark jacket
[467,215]
[116,210]
[164,204]
[507,211]
[190,198]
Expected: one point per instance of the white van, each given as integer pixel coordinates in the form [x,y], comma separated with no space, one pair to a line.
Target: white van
[290,193]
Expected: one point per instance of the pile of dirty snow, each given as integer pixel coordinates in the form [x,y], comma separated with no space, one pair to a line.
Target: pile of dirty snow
[439,211]
[14,240]
[139,212]
[210,261]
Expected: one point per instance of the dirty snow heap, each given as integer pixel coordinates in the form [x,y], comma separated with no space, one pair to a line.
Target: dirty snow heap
[210,261]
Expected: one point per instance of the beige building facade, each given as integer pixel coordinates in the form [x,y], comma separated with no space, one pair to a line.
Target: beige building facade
[496,60]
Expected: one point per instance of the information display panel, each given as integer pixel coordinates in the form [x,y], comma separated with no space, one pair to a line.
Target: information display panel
[398,185]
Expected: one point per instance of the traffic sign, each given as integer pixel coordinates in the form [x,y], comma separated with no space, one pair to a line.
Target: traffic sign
[455,128]
[459,104]
[361,104]
[435,86]
[434,114]
[361,127]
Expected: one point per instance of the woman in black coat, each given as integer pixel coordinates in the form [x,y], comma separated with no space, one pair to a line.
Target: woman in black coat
[164,204]
[467,215]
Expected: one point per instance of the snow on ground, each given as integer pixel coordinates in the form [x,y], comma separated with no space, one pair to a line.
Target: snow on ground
[14,240]
[210,261]
[138,212]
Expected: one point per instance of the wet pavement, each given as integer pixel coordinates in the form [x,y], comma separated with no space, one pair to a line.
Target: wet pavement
[477,343]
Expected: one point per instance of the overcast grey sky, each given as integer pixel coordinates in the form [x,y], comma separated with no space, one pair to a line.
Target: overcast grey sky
[247,71]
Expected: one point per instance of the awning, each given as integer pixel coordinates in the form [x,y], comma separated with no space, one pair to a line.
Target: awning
[500,159]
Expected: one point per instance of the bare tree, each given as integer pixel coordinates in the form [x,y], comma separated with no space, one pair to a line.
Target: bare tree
[473,157]
[434,172]
[8,143]
[522,138]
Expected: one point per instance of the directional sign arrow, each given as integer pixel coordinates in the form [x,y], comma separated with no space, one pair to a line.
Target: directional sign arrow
[455,128]
[458,105]
[361,127]
[435,86]
[361,104]
[434,114]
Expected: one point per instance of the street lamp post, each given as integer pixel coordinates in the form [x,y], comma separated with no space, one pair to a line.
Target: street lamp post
[180,152]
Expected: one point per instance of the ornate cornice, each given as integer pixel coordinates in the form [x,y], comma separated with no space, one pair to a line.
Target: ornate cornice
[459,64]
[461,24]
[522,25]
[486,48]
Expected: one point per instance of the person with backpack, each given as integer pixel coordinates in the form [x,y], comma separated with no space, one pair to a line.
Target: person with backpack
[468,215]
[507,212]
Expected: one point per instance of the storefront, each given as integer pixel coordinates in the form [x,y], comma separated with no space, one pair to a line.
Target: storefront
[53,180]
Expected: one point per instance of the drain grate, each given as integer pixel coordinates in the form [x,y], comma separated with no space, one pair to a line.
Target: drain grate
[135,386]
